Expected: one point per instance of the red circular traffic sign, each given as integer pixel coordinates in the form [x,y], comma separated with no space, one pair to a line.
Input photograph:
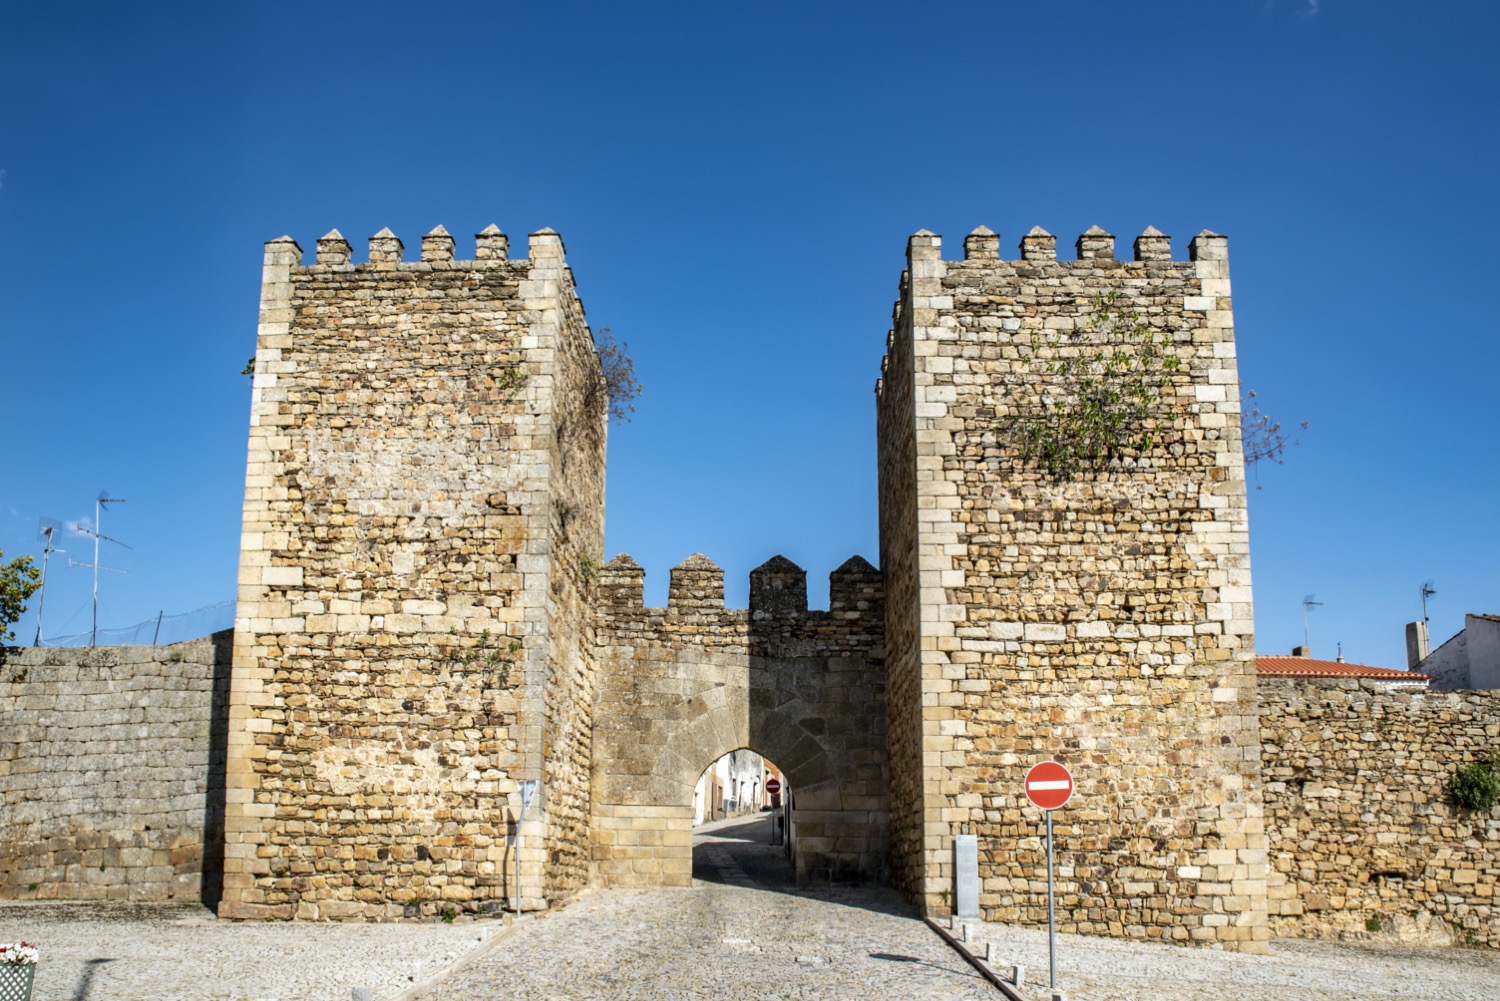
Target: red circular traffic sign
[1049,785]
[773,786]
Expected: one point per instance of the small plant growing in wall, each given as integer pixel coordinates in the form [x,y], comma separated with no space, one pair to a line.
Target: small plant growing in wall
[1100,393]
[1477,786]
[620,388]
[510,378]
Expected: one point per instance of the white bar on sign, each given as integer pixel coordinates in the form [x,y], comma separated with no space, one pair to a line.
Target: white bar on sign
[1057,784]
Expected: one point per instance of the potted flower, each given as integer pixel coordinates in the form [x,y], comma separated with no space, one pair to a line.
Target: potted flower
[17,966]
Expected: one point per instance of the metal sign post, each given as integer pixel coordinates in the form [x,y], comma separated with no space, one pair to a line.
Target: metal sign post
[528,790]
[1051,914]
[1049,786]
[773,789]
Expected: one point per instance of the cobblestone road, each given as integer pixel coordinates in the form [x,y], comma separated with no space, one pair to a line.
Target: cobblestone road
[1100,969]
[742,932]
[181,952]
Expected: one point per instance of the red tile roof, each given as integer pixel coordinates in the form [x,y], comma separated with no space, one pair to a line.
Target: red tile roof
[1306,667]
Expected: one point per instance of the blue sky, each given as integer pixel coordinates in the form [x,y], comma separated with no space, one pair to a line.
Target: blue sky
[735,183]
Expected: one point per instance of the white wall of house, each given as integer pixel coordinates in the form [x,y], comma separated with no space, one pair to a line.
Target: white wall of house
[1471,659]
[731,786]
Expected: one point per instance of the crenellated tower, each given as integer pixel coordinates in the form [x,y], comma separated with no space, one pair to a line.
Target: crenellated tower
[424,503]
[1101,618]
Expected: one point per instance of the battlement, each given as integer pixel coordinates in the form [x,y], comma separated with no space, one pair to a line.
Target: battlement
[778,587]
[386,250]
[944,297]
[1092,246]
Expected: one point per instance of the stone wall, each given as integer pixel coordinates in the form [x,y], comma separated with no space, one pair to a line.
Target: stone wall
[576,550]
[410,642]
[111,771]
[683,685]
[1104,622]
[1362,831]
[899,557]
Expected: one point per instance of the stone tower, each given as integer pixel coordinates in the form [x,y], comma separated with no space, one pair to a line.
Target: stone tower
[1103,621]
[424,505]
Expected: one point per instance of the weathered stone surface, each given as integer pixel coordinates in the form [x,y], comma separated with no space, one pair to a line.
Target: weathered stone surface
[1103,622]
[423,516]
[682,685]
[1361,825]
[112,771]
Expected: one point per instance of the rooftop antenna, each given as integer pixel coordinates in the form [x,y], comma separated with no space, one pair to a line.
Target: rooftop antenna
[1309,602]
[46,531]
[1427,592]
[100,503]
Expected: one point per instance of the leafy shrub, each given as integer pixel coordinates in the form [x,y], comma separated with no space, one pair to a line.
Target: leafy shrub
[620,388]
[1477,786]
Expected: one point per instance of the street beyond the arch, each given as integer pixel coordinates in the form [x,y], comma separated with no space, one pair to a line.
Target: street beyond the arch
[742,931]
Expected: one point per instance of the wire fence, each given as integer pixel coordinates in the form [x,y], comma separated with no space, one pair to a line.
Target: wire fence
[160,631]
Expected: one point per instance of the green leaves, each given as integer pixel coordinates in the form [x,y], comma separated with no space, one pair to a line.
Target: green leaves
[620,386]
[1095,394]
[1477,786]
[18,580]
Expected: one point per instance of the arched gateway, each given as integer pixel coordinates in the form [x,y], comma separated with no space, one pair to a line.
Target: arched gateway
[682,685]
[423,631]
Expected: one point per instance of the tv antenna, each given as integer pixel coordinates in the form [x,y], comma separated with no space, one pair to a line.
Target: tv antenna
[1309,602]
[100,504]
[1427,592]
[46,531]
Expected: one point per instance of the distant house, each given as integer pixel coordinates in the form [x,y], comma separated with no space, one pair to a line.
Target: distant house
[1470,659]
[1300,668]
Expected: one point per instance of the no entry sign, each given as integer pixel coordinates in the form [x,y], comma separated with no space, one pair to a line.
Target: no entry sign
[1049,785]
[773,786]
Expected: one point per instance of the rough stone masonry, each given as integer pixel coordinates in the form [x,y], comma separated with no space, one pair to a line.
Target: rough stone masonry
[425,621]
[424,496]
[424,503]
[1102,621]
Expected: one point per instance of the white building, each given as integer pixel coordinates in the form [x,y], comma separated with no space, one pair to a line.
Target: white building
[1470,659]
[731,786]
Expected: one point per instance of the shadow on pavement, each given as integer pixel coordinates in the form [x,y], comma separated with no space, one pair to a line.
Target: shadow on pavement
[740,852]
[85,989]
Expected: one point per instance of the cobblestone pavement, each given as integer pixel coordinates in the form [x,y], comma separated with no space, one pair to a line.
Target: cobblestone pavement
[741,932]
[744,931]
[1099,969]
[181,952]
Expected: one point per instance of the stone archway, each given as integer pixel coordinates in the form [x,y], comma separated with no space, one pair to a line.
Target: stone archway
[683,685]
